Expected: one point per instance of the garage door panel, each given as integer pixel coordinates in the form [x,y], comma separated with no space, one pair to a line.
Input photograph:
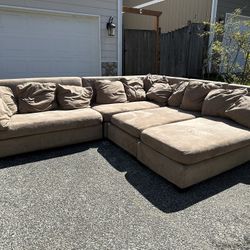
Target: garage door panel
[48,45]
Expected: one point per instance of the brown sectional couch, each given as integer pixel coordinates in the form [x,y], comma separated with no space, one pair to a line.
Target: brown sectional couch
[182,146]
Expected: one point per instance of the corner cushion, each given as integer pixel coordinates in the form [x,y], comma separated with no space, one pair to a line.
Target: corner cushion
[107,110]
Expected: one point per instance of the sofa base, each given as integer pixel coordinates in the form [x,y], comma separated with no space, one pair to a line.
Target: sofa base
[31,143]
[122,139]
[185,176]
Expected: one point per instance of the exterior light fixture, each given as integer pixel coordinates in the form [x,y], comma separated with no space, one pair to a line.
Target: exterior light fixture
[111,27]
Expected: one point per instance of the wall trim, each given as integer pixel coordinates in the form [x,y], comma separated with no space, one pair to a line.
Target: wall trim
[119,39]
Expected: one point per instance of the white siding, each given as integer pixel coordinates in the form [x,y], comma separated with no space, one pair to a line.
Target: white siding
[103,8]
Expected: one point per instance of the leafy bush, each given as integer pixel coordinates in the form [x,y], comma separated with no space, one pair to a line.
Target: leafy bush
[231,42]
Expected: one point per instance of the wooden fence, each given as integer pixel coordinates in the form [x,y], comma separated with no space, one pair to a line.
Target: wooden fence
[139,52]
[183,51]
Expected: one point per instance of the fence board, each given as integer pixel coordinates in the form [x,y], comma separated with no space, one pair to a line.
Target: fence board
[182,51]
[139,52]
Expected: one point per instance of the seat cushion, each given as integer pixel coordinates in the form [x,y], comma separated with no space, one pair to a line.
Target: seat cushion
[195,140]
[107,110]
[50,121]
[135,122]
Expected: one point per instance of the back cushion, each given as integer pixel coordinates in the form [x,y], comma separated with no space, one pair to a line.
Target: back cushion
[149,81]
[176,98]
[240,111]
[134,89]
[110,92]
[195,94]
[36,97]
[219,100]
[6,94]
[159,92]
[5,115]
[73,97]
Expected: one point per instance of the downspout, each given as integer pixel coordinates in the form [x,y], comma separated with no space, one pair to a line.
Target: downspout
[119,39]
[211,36]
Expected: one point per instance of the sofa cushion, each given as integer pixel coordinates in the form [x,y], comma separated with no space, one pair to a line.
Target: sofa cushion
[134,89]
[36,97]
[7,95]
[149,80]
[5,115]
[73,97]
[176,97]
[195,94]
[51,121]
[159,93]
[219,100]
[240,111]
[195,140]
[135,122]
[107,110]
[108,92]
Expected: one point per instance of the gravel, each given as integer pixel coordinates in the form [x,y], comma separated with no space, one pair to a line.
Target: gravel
[96,196]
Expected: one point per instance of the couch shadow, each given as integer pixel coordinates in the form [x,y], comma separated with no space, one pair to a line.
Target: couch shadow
[158,191]
[17,160]
[163,194]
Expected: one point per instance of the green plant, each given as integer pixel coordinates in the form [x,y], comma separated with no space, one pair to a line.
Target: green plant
[230,45]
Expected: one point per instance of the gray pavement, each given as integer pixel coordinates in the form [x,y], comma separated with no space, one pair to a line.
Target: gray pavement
[96,196]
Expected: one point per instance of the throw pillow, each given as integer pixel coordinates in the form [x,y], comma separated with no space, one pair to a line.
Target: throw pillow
[110,92]
[195,94]
[9,99]
[176,98]
[5,114]
[36,97]
[159,92]
[219,100]
[134,89]
[149,81]
[240,111]
[73,97]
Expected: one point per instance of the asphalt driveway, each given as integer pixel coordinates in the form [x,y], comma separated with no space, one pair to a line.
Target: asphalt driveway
[96,196]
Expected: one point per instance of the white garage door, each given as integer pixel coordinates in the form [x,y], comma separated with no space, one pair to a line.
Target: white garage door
[34,44]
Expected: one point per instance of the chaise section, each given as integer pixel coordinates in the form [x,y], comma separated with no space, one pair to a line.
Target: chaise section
[135,122]
[107,110]
[193,141]
[45,122]
[185,176]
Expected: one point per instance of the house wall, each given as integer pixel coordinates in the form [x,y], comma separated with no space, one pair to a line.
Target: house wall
[103,8]
[175,14]
[228,6]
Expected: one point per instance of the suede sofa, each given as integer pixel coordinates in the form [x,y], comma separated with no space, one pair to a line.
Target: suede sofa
[176,140]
